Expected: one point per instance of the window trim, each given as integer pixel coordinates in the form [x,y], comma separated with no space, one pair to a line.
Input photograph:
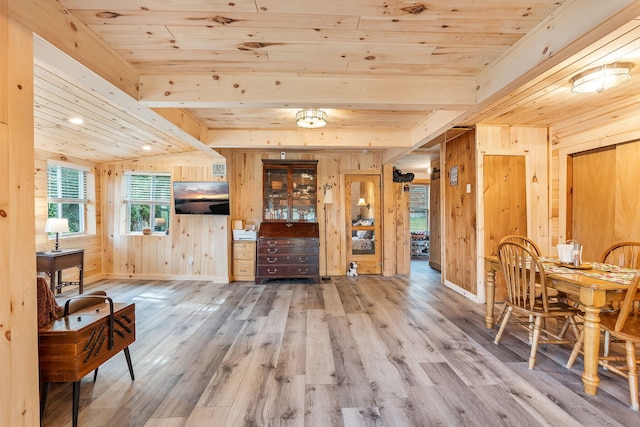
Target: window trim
[127,201]
[87,215]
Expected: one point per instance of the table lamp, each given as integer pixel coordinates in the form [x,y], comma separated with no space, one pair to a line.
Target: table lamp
[57,225]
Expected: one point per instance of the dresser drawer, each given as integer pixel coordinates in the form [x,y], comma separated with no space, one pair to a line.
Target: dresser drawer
[244,250]
[283,259]
[289,250]
[243,267]
[286,271]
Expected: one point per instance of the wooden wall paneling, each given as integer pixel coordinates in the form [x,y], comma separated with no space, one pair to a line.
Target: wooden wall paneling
[435,216]
[4,66]
[460,206]
[389,254]
[18,330]
[329,172]
[627,223]
[505,210]
[158,256]
[330,249]
[108,225]
[402,232]
[594,206]
[146,250]
[535,143]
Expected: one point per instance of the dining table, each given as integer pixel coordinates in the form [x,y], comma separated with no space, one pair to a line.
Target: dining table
[593,285]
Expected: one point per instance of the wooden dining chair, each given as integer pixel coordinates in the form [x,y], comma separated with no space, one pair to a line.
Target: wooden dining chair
[623,254]
[523,240]
[624,325]
[528,298]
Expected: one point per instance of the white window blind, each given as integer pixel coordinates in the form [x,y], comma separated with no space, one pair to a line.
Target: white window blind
[66,185]
[148,187]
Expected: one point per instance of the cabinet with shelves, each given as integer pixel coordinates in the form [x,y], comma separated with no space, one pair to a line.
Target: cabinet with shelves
[420,243]
[288,240]
[290,190]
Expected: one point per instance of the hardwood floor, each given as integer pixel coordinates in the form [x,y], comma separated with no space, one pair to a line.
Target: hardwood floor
[365,351]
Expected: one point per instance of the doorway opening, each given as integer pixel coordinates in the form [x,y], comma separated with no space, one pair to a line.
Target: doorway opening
[362,202]
[419,221]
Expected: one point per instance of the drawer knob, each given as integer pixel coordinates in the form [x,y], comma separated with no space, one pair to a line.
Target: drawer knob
[305,259]
[272,242]
[275,270]
[271,261]
[301,271]
[272,250]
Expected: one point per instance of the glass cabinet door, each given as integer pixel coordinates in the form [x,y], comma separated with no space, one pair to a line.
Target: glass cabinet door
[303,195]
[276,193]
[290,192]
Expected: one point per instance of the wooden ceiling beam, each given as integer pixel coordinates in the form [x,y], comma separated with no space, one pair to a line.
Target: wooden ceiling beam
[51,21]
[217,90]
[574,26]
[316,139]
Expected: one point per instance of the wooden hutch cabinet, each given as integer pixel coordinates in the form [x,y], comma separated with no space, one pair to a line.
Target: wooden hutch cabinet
[288,239]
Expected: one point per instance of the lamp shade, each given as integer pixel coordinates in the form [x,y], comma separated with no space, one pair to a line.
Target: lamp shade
[56,225]
[328,196]
[362,202]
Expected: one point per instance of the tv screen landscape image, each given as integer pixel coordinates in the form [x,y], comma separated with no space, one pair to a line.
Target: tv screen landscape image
[201,197]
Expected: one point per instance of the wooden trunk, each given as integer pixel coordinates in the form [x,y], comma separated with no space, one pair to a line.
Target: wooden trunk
[71,347]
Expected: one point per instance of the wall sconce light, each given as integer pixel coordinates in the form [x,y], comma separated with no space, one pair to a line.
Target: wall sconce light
[597,79]
[362,203]
[311,118]
[57,225]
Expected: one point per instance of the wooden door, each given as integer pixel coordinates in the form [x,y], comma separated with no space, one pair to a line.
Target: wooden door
[364,240]
[593,198]
[505,204]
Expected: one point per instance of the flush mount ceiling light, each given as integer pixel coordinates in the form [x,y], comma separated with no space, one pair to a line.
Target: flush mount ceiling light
[311,118]
[600,78]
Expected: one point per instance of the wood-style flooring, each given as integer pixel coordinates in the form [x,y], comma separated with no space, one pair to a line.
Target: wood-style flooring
[363,351]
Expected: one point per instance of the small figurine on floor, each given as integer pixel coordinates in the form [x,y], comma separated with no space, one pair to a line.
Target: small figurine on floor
[352,271]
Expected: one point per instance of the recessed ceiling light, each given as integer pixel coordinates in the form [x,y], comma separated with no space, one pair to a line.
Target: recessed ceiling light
[146,147]
[76,120]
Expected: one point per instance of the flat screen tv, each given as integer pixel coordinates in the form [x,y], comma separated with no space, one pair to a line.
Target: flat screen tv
[201,197]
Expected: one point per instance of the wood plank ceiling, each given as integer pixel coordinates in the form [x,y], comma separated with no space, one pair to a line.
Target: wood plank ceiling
[363,62]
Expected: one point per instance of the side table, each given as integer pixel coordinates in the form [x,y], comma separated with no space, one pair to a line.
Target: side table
[52,263]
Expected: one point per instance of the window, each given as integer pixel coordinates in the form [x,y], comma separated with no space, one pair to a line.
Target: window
[148,198]
[419,208]
[67,195]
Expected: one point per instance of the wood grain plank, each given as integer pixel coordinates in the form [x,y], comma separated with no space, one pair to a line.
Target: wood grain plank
[201,357]
[320,367]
